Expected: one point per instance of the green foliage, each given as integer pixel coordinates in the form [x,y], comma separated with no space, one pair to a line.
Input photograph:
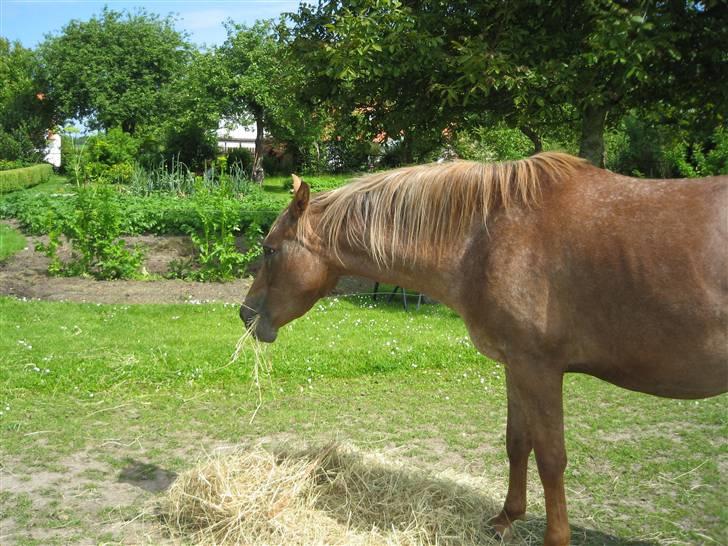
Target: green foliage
[640,147]
[374,59]
[692,159]
[111,148]
[217,254]
[25,177]
[157,213]
[11,241]
[241,157]
[495,143]
[7,164]
[93,228]
[116,69]
[191,144]
[25,113]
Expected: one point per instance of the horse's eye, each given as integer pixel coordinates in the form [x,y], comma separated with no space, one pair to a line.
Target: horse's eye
[268,251]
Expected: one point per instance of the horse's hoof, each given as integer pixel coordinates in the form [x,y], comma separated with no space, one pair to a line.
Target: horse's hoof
[501,525]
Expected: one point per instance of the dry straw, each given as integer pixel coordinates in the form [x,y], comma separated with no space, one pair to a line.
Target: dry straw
[330,495]
[261,361]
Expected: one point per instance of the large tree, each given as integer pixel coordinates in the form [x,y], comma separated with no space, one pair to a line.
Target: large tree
[26,114]
[252,77]
[376,61]
[535,65]
[115,69]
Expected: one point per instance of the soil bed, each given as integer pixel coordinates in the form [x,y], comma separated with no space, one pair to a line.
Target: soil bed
[25,275]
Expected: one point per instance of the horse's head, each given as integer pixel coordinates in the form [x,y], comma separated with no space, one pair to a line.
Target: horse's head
[293,276]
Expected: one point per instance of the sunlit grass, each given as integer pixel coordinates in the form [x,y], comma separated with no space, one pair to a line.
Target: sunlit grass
[90,377]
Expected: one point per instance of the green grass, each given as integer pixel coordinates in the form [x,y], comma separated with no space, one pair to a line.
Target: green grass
[151,383]
[11,241]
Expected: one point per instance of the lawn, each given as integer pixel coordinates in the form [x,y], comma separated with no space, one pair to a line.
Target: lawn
[91,391]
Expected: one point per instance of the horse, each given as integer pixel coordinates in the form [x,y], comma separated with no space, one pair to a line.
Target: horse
[554,265]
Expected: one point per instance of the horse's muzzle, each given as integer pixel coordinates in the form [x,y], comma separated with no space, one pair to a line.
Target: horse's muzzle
[257,324]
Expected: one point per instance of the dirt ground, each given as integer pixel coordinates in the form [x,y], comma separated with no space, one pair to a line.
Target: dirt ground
[25,275]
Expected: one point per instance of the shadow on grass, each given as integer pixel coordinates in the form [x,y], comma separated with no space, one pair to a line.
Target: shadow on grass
[146,476]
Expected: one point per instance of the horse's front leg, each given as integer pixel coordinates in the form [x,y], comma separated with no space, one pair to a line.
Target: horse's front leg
[537,392]
[518,445]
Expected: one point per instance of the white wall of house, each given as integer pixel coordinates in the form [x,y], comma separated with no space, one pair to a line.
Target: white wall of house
[53,151]
[230,136]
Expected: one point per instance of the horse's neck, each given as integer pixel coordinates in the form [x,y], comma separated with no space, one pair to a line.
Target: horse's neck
[431,276]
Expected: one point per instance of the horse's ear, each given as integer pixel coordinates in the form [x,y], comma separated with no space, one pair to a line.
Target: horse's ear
[300,197]
[296,183]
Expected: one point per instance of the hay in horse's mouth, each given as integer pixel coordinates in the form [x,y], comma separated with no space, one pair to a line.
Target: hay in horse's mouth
[333,494]
[261,361]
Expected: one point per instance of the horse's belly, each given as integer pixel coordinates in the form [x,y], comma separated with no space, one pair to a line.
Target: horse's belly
[697,376]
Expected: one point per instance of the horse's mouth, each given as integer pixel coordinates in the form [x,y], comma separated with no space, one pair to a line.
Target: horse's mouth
[256,324]
[266,334]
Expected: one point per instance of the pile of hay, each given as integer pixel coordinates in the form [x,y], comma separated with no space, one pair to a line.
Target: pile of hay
[330,495]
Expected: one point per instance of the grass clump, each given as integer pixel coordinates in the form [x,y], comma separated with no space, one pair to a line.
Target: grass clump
[11,241]
[333,494]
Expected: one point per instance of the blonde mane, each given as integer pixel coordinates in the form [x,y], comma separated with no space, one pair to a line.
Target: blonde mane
[413,211]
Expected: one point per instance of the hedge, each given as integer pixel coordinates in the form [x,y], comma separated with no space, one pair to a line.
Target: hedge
[17,179]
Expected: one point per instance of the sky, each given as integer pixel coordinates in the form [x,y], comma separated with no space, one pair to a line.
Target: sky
[30,20]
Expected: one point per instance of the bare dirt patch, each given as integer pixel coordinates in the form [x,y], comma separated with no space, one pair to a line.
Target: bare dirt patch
[25,275]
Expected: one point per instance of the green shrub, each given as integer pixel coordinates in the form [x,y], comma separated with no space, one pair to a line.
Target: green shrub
[639,147]
[94,230]
[219,220]
[700,159]
[7,165]
[241,157]
[493,143]
[17,179]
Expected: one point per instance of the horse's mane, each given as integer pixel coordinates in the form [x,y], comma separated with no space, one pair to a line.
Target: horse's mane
[409,212]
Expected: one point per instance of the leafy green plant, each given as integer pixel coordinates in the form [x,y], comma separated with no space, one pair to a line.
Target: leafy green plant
[218,256]
[94,231]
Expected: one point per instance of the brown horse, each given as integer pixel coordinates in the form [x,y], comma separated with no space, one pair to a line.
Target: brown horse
[554,265]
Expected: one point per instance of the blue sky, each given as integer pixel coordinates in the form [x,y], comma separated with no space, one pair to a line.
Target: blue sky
[30,20]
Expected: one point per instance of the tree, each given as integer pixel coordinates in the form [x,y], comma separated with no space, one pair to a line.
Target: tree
[597,59]
[251,75]
[26,115]
[115,69]
[373,60]
[534,65]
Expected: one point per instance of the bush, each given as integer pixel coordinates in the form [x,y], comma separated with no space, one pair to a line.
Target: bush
[7,165]
[219,220]
[22,144]
[16,179]
[242,157]
[93,229]
[494,143]
[638,147]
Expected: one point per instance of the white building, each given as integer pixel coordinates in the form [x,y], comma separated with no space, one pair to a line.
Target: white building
[230,136]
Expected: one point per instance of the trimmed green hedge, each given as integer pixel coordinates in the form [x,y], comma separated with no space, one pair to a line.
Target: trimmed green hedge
[17,179]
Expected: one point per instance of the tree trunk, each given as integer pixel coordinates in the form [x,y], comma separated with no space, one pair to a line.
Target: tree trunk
[591,145]
[534,137]
[258,174]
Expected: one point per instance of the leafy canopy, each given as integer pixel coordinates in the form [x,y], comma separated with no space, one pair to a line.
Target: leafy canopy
[115,69]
